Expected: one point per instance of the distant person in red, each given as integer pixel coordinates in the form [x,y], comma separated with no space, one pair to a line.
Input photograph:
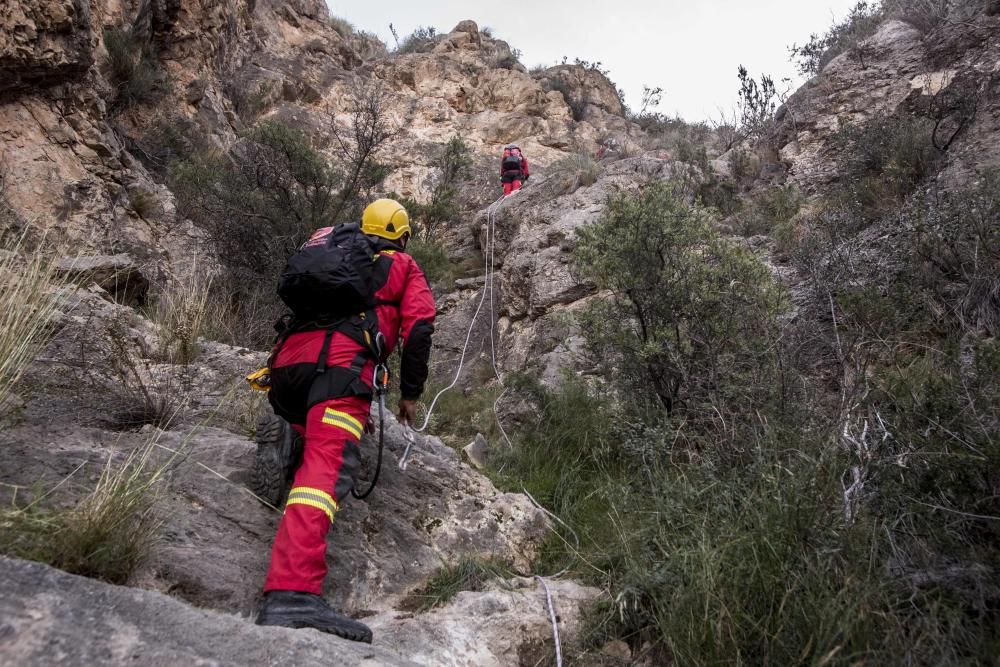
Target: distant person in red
[513,169]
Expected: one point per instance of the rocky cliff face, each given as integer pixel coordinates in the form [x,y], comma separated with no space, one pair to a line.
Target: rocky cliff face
[953,79]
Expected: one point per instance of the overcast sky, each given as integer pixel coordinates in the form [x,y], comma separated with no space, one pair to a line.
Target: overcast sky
[690,48]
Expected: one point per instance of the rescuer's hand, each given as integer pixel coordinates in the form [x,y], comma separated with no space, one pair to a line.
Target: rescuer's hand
[407,412]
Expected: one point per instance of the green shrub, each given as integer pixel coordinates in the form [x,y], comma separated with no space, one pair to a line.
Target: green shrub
[263,199]
[692,313]
[131,69]
[768,210]
[454,163]
[861,23]
[435,261]
[883,161]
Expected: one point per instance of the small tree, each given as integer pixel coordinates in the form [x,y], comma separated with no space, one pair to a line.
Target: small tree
[691,315]
[757,104]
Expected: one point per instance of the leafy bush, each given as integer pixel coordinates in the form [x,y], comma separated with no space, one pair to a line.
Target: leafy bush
[883,161]
[263,199]
[453,163]
[433,258]
[756,106]
[691,313]
[769,209]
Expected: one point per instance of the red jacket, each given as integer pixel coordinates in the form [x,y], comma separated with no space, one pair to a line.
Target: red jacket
[405,309]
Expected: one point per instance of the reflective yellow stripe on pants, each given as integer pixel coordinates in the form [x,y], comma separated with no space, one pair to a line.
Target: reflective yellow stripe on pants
[321,500]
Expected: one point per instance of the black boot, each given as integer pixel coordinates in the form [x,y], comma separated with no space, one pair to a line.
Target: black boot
[279,452]
[291,609]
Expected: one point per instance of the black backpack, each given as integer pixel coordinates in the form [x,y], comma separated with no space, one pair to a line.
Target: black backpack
[511,161]
[331,277]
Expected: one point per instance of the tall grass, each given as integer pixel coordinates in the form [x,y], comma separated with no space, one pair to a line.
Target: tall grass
[182,315]
[29,300]
[108,533]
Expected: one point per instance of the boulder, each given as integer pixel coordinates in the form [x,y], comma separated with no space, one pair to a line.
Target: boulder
[477,452]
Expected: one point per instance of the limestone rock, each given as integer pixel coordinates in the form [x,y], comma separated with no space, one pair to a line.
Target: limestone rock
[119,275]
[50,617]
[477,451]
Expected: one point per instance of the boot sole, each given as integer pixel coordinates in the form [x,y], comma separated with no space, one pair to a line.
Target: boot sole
[275,461]
[330,628]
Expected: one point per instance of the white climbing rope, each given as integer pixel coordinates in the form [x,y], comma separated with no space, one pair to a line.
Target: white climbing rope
[552,618]
[488,285]
[488,288]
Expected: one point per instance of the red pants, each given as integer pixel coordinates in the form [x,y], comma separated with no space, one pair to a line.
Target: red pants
[510,187]
[330,460]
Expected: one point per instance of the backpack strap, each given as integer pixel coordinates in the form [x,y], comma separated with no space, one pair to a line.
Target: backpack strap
[324,351]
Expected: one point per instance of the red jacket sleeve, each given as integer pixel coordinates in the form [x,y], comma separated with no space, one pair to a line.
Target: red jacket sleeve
[416,311]
[524,166]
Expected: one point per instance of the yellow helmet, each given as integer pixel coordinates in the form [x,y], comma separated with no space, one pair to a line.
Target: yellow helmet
[386,218]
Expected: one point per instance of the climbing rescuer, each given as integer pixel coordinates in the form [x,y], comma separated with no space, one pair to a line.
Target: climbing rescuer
[513,168]
[355,295]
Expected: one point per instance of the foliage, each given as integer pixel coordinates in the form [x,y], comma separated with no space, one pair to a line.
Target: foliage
[860,24]
[454,163]
[576,171]
[434,260]
[181,314]
[577,105]
[883,161]
[29,302]
[768,209]
[131,69]
[342,26]
[859,531]
[756,106]
[107,534]
[468,574]
[263,199]
[704,314]
[420,40]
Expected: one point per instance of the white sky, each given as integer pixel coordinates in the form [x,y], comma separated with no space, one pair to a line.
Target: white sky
[691,48]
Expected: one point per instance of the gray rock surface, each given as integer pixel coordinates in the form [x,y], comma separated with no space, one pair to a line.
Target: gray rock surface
[48,617]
